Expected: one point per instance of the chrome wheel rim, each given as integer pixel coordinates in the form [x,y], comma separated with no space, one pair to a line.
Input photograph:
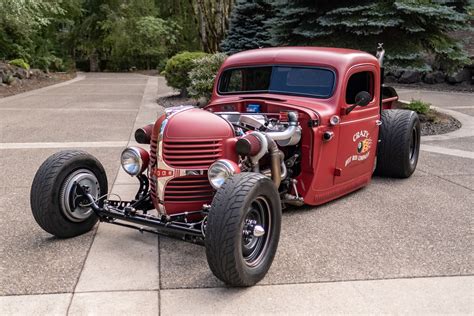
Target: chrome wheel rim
[254,242]
[73,205]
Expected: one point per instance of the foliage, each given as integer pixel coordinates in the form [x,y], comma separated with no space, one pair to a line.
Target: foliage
[19,62]
[248,29]
[213,21]
[21,23]
[177,70]
[363,24]
[418,106]
[203,74]
[181,12]
[139,41]
[51,63]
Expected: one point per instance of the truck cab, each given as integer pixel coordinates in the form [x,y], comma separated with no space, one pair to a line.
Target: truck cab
[338,147]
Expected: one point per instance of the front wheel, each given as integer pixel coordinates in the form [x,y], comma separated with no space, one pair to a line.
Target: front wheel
[243,229]
[57,205]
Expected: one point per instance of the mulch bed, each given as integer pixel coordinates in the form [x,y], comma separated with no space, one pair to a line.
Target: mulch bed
[35,83]
[176,100]
[435,123]
[461,87]
[432,123]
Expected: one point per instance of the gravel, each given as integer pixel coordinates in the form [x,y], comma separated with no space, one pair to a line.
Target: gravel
[461,87]
[441,124]
[176,100]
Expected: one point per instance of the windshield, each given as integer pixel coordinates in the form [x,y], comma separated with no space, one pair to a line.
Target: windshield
[307,81]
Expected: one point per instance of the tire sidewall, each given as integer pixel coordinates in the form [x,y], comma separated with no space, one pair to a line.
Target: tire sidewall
[50,201]
[265,188]
[410,164]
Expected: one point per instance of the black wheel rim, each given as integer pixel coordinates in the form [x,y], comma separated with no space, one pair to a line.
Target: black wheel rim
[413,145]
[254,248]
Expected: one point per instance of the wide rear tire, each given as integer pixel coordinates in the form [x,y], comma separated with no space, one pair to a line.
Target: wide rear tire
[56,206]
[399,147]
[238,252]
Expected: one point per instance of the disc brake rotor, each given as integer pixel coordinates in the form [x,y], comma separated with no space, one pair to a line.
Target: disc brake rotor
[73,205]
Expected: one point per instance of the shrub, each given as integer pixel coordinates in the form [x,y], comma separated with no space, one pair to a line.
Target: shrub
[177,70]
[50,62]
[19,62]
[418,106]
[203,74]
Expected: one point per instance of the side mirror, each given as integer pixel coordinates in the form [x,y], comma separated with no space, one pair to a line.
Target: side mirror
[362,98]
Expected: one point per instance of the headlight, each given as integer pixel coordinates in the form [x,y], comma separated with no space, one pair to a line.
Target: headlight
[134,160]
[220,170]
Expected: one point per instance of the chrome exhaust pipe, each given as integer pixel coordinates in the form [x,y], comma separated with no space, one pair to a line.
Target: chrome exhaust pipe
[380,54]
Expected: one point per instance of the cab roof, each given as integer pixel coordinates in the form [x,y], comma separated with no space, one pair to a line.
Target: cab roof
[339,59]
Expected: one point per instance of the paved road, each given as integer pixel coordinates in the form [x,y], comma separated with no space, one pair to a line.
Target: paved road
[397,246]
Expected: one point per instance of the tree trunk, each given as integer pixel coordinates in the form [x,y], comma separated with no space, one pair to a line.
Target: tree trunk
[94,62]
[213,19]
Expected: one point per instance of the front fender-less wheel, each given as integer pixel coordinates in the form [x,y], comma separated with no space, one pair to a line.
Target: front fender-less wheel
[243,229]
[55,201]
[399,147]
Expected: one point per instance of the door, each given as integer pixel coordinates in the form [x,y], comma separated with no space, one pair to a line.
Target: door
[358,129]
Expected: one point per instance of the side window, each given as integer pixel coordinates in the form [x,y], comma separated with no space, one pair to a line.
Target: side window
[361,81]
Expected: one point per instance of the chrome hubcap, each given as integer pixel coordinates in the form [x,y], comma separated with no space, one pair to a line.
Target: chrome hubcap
[73,205]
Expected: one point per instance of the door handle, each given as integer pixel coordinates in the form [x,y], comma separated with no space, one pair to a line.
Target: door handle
[378,122]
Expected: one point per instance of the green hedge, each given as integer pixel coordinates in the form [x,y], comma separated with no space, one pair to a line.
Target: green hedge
[177,70]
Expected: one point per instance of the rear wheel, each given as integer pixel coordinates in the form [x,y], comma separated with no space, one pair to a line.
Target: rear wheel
[243,229]
[399,148]
[56,203]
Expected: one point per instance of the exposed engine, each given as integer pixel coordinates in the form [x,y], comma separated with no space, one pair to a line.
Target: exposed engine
[269,144]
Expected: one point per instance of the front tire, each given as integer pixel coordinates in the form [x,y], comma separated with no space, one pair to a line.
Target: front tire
[399,147]
[243,229]
[56,205]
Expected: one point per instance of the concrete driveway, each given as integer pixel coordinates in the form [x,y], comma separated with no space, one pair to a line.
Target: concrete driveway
[397,246]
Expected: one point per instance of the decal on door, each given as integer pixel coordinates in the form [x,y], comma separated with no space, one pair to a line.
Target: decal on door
[364,142]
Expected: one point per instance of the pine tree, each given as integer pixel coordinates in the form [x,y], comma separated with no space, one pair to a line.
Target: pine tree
[413,31]
[247,26]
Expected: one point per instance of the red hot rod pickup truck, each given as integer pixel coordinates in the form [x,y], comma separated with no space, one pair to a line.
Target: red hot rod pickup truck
[285,126]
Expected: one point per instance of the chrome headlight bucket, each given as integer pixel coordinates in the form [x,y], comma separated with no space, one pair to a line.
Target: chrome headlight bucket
[220,170]
[134,160]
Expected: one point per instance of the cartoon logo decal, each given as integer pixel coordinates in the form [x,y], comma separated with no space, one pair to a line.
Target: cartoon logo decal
[364,146]
[364,143]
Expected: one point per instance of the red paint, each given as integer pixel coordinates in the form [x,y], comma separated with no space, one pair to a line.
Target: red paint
[318,182]
[194,138]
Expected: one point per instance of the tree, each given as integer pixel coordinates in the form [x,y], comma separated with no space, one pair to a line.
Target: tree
[288,18]
[213,20]
[425,23]
[248,27]
[181,13]
[21,22]
[363,24]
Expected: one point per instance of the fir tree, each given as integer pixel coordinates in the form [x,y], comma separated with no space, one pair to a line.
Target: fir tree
[247,28]
[413,31]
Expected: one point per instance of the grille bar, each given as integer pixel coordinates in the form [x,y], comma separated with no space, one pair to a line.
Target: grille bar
[198,154]
[189,189]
